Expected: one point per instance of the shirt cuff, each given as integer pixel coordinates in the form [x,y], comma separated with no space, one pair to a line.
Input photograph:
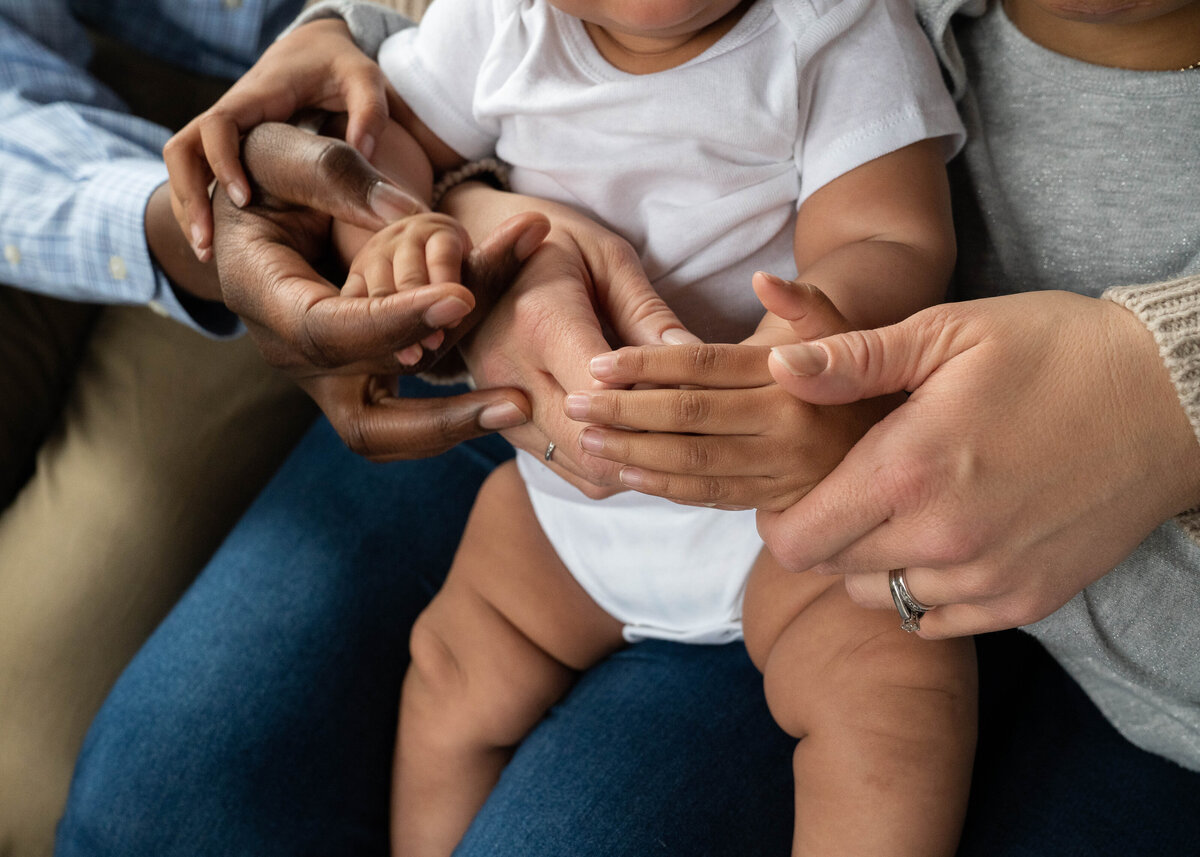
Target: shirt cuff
[121,258]
[369,23]
[1171,312]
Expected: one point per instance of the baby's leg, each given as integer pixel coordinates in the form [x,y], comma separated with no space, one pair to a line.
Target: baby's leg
[886,720]
[500,643]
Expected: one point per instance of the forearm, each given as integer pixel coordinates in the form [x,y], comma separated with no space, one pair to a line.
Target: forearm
[875,282]
[79,175]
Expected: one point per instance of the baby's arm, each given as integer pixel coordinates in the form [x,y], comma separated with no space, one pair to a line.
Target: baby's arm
[878,241]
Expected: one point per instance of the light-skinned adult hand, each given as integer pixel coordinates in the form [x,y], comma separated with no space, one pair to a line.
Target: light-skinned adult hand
[543,332]
[709,424]
[316,66]
[345,349]
[1041,443]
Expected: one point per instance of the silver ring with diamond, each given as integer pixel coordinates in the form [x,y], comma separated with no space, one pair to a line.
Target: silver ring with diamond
[549,451]
[911,610]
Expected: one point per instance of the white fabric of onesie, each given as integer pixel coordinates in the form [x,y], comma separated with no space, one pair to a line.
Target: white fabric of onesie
[702,168]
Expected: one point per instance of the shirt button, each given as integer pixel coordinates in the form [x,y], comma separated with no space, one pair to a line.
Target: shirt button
[231,5]
[116,268]
[12,254]
[158,309]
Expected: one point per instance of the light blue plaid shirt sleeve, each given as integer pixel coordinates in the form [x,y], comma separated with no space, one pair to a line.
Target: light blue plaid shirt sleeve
[76,170]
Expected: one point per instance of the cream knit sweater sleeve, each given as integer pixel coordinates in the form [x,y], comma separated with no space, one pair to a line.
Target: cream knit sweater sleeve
[1171,312]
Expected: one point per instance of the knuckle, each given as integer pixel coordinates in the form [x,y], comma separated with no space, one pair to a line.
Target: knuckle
[696,456]
[714,490]
[690,408]
[704,359]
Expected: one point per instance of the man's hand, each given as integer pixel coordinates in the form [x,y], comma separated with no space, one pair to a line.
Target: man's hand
[316,66]
[343,348]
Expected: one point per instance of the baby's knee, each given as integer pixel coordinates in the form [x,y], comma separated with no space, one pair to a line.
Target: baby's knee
[880,684]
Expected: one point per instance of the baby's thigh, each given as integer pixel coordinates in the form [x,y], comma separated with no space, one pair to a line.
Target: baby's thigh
[824,658]
[507,577]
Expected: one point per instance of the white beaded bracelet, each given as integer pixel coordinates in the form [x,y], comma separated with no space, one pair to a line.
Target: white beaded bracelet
[491,170]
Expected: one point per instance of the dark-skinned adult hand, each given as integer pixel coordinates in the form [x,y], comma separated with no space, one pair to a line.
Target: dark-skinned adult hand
[342,349]
[1042,441]
[317,65]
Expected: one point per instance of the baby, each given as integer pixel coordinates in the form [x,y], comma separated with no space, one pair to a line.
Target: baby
[720,138]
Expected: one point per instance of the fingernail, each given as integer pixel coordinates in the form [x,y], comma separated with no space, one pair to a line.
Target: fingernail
[411,355]
[631,476]
[528,241]
[604,364]
[366,146]
[445,311]
[772,278]
[577,405]
[679,336]
[391,203]
[434,340]
[592,440]
[238,194]
[197,236]
[501,415]
[802,359]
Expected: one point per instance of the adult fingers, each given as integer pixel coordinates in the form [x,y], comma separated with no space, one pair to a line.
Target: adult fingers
[707,411]
[189,176]
[863,364]
[367,98]
[722,492]
[841,510]
[701,365]
[624,295]
[382,427]
[312,326]
[324,174]
[672,453]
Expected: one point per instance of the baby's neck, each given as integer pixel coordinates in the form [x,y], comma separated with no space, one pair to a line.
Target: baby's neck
[1164,43]
[636,54]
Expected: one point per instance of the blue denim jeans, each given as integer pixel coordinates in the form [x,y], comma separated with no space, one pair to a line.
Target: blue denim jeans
[259,718]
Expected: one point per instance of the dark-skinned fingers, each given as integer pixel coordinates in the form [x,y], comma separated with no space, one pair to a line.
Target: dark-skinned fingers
[702,411]
[340,181]
[382,427]
[702,365]
[339,333]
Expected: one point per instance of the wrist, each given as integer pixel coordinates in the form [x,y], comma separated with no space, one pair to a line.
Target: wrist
[172,253]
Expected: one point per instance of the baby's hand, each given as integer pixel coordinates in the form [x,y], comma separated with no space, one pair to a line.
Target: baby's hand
[421,250]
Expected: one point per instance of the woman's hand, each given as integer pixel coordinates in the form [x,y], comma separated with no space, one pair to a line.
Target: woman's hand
[344,348]
[1042,442]
[316,66]
[717,430]
[545,329]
